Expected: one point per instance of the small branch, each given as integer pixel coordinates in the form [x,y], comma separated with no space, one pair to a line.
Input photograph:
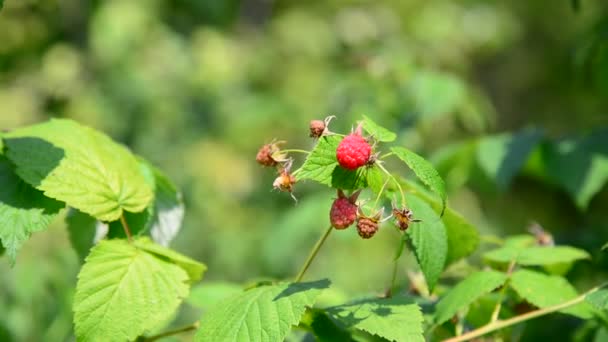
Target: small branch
[293,150]
[125,226]
[394,180]
[187,328]
[498,325]
[503,292]
[313,254]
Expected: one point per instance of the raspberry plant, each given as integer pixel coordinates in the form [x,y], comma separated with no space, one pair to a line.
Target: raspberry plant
[122,213]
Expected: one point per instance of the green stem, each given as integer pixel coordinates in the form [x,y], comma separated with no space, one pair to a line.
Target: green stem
[295,151]
[187,328]
[395,181]
[313,254]
[500,324]
[503,292]
[380,193]
[125,226]
[386,155]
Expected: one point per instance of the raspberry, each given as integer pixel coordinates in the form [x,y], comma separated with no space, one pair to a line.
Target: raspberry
[343,211]
[270,154]
[367,226]
[353,151]
[317,127]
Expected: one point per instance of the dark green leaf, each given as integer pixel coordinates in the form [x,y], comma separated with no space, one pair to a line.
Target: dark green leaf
[23,210]
[377,132]
[424,171]
[428,239]
[84,230]
[466,292]
[324,328]
[395,319]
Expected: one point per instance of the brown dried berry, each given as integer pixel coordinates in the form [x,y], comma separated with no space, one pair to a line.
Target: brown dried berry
[317,127]
[404,218]
[270,154]
[367,226]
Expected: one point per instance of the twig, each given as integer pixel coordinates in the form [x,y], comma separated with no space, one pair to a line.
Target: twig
[313,254]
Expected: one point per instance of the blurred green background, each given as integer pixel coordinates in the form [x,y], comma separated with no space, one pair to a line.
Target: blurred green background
[508,98]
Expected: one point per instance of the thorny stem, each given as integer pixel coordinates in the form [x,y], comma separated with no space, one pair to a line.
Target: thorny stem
[500,324]
[503,292]
[187,328]
[313,254]
[125,226]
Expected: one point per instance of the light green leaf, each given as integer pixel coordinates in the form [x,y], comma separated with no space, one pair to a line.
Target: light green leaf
[429,240]
[536,255]
[395,319]
[123,292]
[264,313]
[543,291]
[80,166]
[193,268]
[376,131]
[23,210]
[599,299]
[424,171]
[463,238]
[209,293]
[424,87]
[466,292]
[321,165]
[84,231]
[502,156]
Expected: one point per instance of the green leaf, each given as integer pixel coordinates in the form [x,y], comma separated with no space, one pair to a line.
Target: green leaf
[209,293]
[543,291]
[264,313]
[463,238]
[376,131]
[536,255]
[80,166]
[375,179]
[502,156]
[123,292]
[322,166]
[429,240]
[193,268]
[424,171]
[324,328]
[599,299]
[84,231]
[395,319]
[23,210]
[466,292]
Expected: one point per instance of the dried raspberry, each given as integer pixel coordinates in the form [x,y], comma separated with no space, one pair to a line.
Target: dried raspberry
[353,151]
[317,127]
[270,154]
[404,218]
[367,226]
[343,211]
[284,182]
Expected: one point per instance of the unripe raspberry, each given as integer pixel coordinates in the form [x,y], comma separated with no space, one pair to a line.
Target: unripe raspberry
[353,151]
[343,211]
[367,226]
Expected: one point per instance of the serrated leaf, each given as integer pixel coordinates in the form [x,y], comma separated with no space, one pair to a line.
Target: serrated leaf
[80,166]
[424,171]
[163,219]
[599,299]
[536,255]
[264,313]
[193,268]
[324,328]
[395,319]
[377,132]
[502,156]
[429,240]
[23,210]
[123,292]
[543,291]
[209,293]
[322,166]
[84,231]
[466,292]
[375,179]
[463,238]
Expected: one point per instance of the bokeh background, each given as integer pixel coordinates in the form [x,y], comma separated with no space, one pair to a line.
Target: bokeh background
[508,98]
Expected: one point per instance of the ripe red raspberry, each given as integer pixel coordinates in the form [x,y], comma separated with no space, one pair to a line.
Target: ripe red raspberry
[343,211]
[353,151]
[367,226]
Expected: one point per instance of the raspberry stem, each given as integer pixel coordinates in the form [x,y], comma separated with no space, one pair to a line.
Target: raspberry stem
[125,226]
[395,181]
[295,151]
[313,254]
